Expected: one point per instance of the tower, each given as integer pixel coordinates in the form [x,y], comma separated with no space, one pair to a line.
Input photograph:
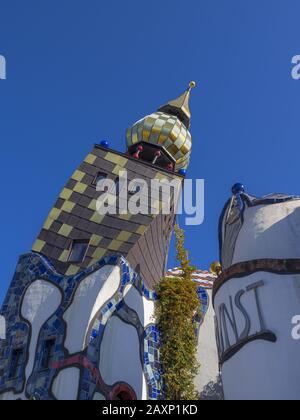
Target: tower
[79,311]
[256,297]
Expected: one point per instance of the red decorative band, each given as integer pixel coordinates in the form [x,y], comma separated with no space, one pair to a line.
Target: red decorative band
[84,362]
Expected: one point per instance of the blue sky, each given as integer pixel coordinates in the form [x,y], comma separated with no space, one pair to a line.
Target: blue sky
[79,72]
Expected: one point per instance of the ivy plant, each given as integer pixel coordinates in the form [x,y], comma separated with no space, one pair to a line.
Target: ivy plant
[178,303]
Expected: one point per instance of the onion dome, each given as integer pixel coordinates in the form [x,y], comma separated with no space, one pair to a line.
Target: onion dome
[166,130]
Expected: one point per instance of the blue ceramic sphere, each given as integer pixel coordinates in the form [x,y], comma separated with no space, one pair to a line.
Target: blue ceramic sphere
[238,188]
[105,144]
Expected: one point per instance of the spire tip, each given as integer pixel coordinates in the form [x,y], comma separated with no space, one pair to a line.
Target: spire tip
[192,85]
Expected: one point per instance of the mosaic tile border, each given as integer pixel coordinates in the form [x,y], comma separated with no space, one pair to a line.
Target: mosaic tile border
[32,267]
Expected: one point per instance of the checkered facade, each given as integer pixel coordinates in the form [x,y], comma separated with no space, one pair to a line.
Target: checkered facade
[74,217]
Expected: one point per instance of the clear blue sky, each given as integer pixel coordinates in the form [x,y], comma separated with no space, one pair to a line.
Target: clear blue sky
[82,71]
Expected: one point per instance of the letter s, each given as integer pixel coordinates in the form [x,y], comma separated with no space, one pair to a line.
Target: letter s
[296,329]
[296,69]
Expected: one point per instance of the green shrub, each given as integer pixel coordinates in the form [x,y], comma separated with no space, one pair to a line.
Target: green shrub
[177,305]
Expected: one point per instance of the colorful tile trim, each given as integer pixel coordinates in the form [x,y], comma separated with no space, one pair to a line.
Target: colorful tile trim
[32,267]
[204,305]
[152,364]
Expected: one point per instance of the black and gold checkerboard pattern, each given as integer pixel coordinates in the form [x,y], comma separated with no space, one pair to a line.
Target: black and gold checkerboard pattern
[143,239]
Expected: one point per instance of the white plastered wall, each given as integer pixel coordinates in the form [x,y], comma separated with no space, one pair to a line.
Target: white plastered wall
[142,306]
[264,370]
[92,293]
[270,231]
[40,301]
[120,357]
[65,385]
[207,353]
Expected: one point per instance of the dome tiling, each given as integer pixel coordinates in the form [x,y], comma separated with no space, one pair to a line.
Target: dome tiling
[167,128]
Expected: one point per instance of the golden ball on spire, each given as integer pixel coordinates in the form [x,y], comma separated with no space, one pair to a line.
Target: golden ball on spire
[192,84]
[216,268]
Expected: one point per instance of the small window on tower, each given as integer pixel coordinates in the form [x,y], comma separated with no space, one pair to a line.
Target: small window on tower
[48,353]
[17,359]
[118,186]
[99,177]
[78,251]
[136,187]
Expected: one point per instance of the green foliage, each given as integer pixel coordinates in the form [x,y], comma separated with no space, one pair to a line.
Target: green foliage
[178,303]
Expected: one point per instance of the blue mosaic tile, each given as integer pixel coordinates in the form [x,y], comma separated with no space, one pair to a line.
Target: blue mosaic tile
[34,266]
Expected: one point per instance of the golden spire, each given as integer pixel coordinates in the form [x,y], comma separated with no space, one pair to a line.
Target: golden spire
[180,106]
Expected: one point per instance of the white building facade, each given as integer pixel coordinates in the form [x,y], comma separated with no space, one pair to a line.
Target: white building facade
[257,296]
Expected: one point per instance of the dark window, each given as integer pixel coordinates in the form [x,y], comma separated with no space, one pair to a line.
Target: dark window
[147,152]
[118,186]
[17,359]
[99,177]
[136,188]
[78,251]
[49,348]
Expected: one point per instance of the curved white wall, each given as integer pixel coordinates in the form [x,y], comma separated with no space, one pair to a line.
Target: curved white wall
[40,301]
[120,348]
[269,231]
[92,293]
[120,357]
[65,385]
[10,396]
[263,370]
[207,353]
[143,307]
[99,397]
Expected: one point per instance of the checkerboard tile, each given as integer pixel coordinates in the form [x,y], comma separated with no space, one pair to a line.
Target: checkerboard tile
[38,245]
[75,216]
[95,240]
[166,131]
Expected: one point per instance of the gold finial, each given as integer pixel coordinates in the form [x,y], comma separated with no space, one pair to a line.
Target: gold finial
[216,268]
[192,85]
[180,106]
